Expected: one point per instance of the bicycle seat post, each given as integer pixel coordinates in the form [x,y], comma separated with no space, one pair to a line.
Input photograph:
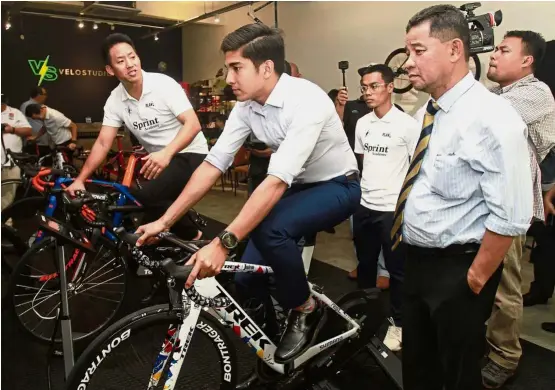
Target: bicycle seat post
[65,320]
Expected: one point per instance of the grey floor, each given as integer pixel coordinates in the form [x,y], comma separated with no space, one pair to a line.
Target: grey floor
[337,250]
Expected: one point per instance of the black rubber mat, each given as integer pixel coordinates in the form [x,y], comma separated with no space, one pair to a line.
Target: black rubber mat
[24,361]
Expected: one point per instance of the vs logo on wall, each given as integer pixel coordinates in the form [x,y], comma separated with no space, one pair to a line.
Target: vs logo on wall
[41,69]
[46,72]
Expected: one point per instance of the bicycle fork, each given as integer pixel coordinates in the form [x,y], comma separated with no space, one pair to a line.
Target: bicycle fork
[176,343]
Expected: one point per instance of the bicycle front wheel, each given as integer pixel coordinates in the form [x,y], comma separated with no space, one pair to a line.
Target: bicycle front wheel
[125,355]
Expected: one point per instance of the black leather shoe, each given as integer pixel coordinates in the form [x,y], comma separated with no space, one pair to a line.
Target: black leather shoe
[531,299]
[302,330]
[548,326]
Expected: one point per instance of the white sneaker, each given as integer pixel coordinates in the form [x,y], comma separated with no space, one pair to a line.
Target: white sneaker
[394,337]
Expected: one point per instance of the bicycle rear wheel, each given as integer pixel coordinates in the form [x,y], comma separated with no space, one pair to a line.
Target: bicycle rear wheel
[94,298]
[396,60]
[124,355]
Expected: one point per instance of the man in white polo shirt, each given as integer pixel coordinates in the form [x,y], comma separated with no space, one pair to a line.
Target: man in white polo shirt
[158,113]
[38,95]
[386,138]
[14,128]
[61,129]
[312,181]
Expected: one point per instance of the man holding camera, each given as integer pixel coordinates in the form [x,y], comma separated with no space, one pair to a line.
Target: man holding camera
[467,194]
[14,128]
[512,65]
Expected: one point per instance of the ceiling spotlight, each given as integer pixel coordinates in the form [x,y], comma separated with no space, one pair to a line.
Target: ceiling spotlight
[81,25]
[112,27]
[217,19]
[156,37]
[95,26]
[8,23]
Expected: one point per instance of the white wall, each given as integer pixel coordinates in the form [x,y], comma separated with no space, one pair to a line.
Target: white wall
[319,34]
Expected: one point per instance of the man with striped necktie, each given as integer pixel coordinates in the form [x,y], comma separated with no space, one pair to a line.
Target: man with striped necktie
[467,193]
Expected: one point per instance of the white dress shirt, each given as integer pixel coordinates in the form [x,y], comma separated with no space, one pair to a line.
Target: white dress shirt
[475,174]
[153,118]
[36,124]
[13,117]
[57,126]
[300,124]
[387,144]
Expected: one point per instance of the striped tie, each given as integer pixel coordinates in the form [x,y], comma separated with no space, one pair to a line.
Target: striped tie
[414,169]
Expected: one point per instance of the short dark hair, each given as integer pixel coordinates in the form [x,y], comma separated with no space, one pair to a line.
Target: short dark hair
[533,44]
[32,109]
[112,40]
[386,72]
[446,22]
[333,94]
[36,91]
[259,43]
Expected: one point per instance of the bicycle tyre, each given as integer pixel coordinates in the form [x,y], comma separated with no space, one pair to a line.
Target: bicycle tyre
[14,287]
[89,361]
[388,60]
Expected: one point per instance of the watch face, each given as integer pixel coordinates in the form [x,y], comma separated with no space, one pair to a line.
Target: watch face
[229,240]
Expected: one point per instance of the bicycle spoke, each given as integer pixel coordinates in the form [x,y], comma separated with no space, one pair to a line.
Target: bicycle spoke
[99,284]
[36,304]
[102,298]
[33,288]
[87,278]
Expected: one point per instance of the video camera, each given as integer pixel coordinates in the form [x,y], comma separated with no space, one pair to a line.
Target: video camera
[481,28]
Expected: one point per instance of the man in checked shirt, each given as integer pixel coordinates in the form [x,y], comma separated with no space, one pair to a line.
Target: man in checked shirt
[512,65]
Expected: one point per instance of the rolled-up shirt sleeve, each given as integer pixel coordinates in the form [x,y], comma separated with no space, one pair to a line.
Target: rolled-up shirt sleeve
[303,132]
[235,133]
[506,181]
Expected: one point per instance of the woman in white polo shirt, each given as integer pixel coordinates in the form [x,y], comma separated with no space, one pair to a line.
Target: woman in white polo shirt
[158,113]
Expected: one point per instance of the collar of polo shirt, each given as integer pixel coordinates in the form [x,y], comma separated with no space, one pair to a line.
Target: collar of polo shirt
[277,96]
[387,118]
[147,88]
[449,98]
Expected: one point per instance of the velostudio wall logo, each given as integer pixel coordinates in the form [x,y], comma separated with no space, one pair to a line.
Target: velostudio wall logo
[47,72]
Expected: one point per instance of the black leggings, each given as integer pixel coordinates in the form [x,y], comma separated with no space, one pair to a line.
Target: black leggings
[157,195]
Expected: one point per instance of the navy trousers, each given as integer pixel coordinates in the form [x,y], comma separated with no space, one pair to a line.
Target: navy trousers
[304,210]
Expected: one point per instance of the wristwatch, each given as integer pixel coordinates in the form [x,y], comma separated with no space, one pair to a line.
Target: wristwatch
[228,240]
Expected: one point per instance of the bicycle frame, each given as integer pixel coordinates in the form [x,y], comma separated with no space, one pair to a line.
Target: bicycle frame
[123,198]
[243,326]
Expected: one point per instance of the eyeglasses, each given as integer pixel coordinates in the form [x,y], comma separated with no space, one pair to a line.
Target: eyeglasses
[373,87]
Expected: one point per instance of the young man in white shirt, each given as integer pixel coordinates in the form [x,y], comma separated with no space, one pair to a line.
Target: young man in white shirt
[312,181]
[156,110]
[14,128]
[38,95]
[385,138]
[61,130]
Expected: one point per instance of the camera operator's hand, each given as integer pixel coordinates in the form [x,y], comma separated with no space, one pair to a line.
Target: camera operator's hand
[342,96]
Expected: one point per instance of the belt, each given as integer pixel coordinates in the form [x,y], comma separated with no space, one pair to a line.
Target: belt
[353,176]
[451,250]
